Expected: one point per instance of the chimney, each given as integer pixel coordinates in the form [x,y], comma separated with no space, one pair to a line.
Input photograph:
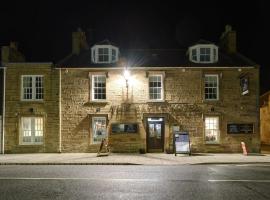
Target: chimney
[79,41]
[11,54]
[228,40]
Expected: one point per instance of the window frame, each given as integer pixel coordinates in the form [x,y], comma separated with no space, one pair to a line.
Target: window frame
[197,48]
[92,128]
[111,58]
[32,130]
[217,87]
[162,87]
[34,88]
[93,87]
[218,130]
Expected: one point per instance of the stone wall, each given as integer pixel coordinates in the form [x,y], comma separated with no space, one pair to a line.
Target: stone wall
[184,106]
[15,108]
[265,121]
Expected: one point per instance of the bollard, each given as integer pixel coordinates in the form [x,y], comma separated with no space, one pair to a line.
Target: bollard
[244,148]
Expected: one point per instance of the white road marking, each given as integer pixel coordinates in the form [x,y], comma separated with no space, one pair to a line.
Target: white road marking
[77,178]
[235,180]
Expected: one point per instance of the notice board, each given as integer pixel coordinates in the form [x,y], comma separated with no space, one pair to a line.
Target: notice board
[181,142]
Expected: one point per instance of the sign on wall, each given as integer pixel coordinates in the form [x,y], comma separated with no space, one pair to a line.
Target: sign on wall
[244,83]
[124,128]
[240,128]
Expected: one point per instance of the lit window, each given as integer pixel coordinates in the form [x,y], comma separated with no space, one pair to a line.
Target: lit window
[155,87]
[211,87]
[98,129]
[98,87]
[211,129]
[31,130]
[32,87]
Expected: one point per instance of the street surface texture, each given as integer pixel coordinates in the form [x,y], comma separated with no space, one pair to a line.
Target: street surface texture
[242,181]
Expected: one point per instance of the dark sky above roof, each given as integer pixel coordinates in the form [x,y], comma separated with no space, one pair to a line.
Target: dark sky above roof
[43,28]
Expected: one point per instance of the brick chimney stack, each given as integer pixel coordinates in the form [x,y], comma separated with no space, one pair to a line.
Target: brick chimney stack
[228,40]
[11,54]
[79,41]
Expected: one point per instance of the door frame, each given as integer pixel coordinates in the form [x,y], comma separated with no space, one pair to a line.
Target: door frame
[162,134]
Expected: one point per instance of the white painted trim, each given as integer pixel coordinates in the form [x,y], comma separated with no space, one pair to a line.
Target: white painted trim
[60,111]
[218,135]
[4,110]
[33,88]
[92,88]
[95,54]
[214,75]
[156,68]
[162,87]
[198,47]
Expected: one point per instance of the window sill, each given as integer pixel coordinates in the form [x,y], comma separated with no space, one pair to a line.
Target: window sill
[89,103]
[32,101]
[155,101]
[31,145]
[212,143]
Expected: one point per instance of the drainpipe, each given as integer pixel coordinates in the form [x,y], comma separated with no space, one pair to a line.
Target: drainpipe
[60,112]
[3,116]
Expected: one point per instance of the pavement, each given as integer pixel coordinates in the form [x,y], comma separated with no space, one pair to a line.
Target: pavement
[131,159]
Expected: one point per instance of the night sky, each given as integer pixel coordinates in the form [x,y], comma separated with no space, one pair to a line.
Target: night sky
[43,28]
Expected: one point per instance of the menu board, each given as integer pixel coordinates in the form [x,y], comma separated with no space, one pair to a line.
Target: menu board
[181,142]
[240,128]
[124,128]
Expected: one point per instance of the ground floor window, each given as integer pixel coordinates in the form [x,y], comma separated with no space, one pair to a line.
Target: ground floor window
[98,129]
[211,129]
[31,130]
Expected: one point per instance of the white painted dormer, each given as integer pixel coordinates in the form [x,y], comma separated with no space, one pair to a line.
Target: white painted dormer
[203,53]
[104,53]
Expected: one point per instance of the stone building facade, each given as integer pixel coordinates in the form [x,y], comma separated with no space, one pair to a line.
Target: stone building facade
[135,98]
[265,118]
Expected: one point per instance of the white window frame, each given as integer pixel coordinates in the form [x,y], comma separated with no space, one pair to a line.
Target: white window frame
[213,53]
[111,58]
[213,129]
[34,88]
[93,129]
[93,87]
[162,87]
[34,128]
[217,87]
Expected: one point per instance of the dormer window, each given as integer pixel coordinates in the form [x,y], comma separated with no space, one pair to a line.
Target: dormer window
[104,54]
[203,53]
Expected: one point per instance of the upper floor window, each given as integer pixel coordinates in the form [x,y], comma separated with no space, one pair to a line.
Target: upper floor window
[32,87]
[98,87]
[203,53]
[211,89]
[155,87]
[31,131]
[104,54]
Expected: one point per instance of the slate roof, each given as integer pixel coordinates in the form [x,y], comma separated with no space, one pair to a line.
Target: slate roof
[154,58]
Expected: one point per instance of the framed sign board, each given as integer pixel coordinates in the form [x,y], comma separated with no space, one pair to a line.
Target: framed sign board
[124,128]
[181,142]
[240,128]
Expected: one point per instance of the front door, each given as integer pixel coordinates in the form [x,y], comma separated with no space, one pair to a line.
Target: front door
[155,134]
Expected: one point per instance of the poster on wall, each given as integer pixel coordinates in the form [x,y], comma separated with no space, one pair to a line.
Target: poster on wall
[124,128]
[181,142]
[244,85]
